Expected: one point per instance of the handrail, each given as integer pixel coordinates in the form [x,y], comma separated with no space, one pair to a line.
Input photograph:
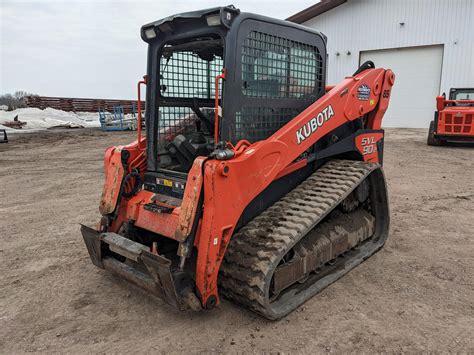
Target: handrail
[139,111]
[216,113]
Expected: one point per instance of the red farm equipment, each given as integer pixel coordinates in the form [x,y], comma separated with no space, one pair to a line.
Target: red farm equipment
[454,118]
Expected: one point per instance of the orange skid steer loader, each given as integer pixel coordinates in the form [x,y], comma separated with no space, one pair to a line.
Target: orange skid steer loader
[255,180]
[453,119]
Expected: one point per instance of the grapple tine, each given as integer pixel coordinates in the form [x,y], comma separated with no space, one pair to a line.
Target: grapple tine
[93,244]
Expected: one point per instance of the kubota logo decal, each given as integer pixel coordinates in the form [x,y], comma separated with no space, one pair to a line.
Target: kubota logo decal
[309,128]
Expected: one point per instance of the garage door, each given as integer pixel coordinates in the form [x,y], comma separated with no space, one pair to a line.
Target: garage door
[417,81]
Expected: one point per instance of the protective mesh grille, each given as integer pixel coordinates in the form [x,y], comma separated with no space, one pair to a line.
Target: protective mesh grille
[186,75]
[275,67]
[258,123]
[175,120]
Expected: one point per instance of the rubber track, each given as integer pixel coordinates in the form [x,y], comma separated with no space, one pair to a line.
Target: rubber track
[257,248]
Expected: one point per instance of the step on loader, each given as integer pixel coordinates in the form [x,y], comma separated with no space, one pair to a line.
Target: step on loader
[254,180]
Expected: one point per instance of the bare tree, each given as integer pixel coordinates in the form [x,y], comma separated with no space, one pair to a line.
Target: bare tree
[17,100]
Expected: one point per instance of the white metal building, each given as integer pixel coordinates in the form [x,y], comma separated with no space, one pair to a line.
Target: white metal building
[429,44]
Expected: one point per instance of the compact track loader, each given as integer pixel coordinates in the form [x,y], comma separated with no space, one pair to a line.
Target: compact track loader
[453,119]
[255,180]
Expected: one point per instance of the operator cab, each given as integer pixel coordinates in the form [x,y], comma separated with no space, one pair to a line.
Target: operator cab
[461,94]
[273,70]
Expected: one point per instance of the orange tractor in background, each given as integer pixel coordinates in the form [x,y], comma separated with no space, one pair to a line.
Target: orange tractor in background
[454,118]
[255,180]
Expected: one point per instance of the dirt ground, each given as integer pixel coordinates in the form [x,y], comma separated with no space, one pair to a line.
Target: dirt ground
[417,294]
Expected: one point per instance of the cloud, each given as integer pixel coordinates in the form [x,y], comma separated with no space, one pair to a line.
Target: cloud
[90,49]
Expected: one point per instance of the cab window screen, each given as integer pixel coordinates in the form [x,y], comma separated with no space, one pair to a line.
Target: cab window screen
[186,86]
[187,75]
[463,95]
[275,67]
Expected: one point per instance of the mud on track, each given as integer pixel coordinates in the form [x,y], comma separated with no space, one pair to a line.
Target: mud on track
[416,294]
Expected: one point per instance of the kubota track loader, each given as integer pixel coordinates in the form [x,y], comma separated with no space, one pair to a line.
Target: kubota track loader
[453,119]
[255,181]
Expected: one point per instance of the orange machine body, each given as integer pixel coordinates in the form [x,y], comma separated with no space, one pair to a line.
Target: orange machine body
[454,120]
[229,186]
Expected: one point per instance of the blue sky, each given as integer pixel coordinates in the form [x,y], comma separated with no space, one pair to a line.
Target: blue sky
[91,48]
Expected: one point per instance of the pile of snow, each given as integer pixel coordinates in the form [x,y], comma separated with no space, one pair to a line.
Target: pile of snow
[37,119]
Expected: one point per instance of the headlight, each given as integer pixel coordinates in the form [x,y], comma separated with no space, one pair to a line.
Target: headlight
[213,20]
[150,33]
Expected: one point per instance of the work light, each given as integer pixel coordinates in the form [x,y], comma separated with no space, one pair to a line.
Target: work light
[213,20]
[150,33]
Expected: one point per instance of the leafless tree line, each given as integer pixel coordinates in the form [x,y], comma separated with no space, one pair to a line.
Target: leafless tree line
[14,101]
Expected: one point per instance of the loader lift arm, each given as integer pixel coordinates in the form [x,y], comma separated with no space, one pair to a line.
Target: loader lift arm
[261,163]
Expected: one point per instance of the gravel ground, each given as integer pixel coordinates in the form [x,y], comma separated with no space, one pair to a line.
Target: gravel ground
[417,294]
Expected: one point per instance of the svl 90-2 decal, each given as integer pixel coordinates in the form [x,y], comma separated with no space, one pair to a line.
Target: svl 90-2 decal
[367,146]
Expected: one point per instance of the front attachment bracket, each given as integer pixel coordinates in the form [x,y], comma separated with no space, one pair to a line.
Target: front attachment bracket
[110,251]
